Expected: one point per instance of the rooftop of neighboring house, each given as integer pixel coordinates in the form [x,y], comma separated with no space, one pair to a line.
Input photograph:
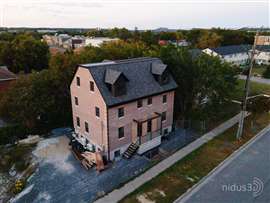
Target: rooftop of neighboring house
[232,49]
[263,48]
[5,74]
[139,75]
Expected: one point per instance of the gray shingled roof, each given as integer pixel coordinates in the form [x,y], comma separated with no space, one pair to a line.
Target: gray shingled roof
[141,82]
[232,49]
[111,75]
[158,68]
[263,48]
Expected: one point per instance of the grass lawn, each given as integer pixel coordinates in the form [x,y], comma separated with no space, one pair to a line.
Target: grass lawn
[175,181]
[255,88]
[259,70]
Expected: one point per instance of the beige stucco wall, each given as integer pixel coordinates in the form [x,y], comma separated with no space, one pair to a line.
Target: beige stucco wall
[86,109]
[131,113]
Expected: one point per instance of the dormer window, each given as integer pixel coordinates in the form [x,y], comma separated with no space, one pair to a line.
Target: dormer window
[160,73]
[116,82]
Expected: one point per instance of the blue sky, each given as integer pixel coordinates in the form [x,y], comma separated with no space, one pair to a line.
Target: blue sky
[145,14]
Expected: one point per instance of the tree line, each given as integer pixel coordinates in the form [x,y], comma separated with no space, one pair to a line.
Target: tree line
[199,38]
[41,100]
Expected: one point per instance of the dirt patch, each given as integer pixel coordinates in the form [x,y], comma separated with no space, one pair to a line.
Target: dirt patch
[55,151]
[143,199]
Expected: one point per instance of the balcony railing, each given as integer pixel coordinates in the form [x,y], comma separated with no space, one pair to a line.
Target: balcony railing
[149,136]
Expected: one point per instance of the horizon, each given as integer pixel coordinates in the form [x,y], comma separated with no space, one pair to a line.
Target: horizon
[150,14]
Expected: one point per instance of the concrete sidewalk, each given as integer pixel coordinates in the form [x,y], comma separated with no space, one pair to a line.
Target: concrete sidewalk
[129,187]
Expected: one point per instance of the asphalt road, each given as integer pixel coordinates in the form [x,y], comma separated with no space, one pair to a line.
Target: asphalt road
[256,79]
[244,178]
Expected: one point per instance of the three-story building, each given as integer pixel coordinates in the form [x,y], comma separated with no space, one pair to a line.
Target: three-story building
[124,106]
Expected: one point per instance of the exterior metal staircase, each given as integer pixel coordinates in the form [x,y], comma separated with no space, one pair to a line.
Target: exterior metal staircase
[133,147]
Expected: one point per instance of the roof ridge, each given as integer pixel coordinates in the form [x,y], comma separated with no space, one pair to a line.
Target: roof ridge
[117,62]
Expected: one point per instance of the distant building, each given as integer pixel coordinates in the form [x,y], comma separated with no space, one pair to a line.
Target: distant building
[6,78]
[98,41]
[235,54]
[263,40]
[262,55]
[120,107]
[63,39]
[163,42]
[180,43]
[47,31]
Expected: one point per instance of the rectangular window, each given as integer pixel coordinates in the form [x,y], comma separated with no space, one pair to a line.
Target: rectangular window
[163,116]
[97,112]
[164,99]
[149,126]
[92,87]
[139,103]
[116,153]
[121,132]
[86,127]
[78,81]
[121,112]
[76,101]
[78,121]
[149,101]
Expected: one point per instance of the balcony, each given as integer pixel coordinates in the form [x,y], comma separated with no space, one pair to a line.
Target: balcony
[149,141]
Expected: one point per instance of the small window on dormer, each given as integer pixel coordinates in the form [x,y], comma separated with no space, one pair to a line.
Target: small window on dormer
[78,81]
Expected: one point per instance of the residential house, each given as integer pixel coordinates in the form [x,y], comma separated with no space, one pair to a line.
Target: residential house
[6,78]
[180,43]
[263,40]
[262,55]
[122,106]
[98,41]
[235,54]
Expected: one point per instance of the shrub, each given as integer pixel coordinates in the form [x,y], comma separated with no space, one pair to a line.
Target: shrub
[10,134]
[266,73]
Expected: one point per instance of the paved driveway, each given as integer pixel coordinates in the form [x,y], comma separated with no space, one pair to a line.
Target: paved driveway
[61,178]
[243,179]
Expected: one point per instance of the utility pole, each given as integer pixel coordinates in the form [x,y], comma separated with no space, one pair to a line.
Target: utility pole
[246,92]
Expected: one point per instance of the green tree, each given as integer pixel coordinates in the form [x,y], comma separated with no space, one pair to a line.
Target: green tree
[209,40]
[266,73]
[198,78]
[25,53]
